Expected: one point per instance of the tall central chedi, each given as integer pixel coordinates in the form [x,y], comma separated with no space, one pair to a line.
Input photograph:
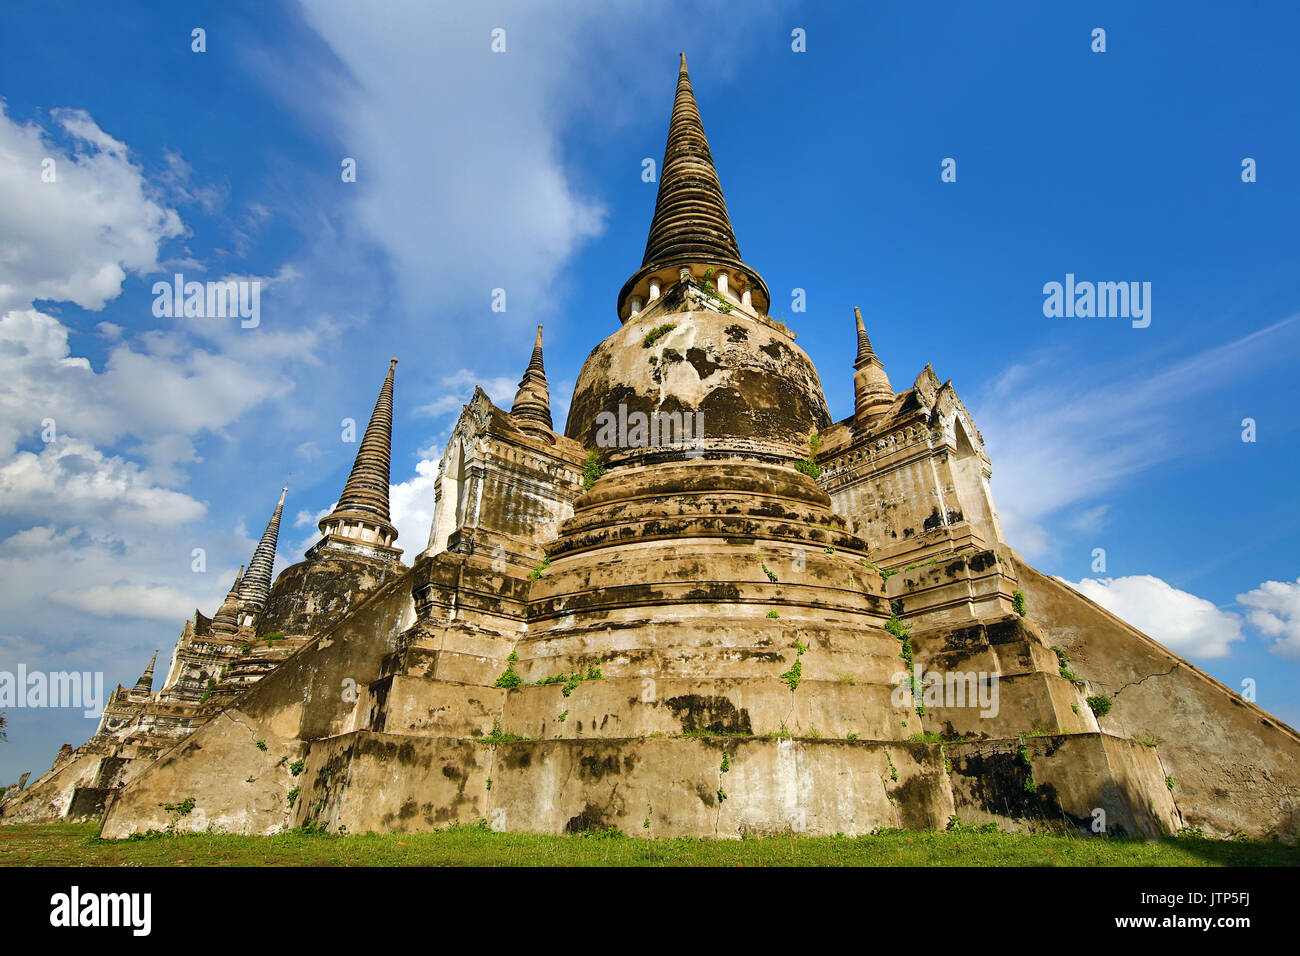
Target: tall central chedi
[696,336]
[707,609]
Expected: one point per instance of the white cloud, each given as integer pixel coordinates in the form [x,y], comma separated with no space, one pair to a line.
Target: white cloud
[158,603]
[306,518]
[74,239]
[1184,623]
[72,481]
[467,193]
[411,507]
[1274,608]
[501,389]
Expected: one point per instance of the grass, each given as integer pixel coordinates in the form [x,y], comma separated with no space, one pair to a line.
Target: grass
[62,844]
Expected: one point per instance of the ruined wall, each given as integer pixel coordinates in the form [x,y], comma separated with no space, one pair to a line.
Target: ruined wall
[312,695]
[1235,768]
[500,489]
[915,478]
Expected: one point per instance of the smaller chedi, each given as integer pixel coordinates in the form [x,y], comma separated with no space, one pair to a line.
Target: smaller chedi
[703,608]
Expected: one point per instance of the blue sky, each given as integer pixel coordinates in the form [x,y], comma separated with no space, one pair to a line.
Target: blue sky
[522,170]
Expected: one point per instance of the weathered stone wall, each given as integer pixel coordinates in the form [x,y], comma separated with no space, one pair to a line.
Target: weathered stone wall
[1235,768]
[309,596]
[240,786]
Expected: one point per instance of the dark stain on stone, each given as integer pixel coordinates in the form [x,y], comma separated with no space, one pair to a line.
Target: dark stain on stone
[517,758]
[595,767]
[715,591]
[714,715]
[704,366]
[591,819]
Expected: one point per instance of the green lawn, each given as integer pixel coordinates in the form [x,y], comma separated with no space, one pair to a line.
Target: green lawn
[77,845]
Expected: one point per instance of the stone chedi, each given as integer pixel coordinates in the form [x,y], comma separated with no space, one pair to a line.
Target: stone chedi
[784,624]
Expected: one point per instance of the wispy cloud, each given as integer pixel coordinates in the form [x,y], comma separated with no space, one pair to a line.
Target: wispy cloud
[1062,435]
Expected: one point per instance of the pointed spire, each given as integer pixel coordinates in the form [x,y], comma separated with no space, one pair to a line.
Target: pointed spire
[532,407]
[226,621]
[690,225]
[865,352]
[145,684]
[872,393]
[690,214]
[255,586]
[361,517]
[366,491]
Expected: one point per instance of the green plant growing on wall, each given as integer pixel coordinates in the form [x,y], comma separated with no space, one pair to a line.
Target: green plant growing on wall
[768,571]
[540,570]
[809,465]
[795,674]
[577,677]
[261,745]
[898,627]
[297,767]
[1100,705]
[655,334]
[773,615]
[175,811]
[594,466]
[510,678]
[1018,602]
[707,287]
[1063,660]
[1030,785]
[498,736]
[293,795]
[212,685]
[181,809]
